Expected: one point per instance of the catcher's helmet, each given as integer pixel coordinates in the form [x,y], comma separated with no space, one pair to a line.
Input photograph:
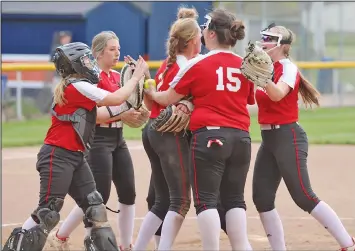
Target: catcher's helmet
[76,58]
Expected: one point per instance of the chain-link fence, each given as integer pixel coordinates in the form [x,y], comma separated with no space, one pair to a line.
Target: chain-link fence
[324,32]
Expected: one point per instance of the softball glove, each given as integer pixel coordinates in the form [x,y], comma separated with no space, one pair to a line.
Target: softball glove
[257,65]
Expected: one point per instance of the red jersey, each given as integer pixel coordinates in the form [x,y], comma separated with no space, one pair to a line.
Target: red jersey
[220,92]
[163,83]
[284,111]
[78,95]
[110,82]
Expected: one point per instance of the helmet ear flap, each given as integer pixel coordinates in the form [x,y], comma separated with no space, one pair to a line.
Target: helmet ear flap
[62,64]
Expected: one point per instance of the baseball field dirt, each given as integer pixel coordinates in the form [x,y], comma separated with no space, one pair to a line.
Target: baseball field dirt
[331,169]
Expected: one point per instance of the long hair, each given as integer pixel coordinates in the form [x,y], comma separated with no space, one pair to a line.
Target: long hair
[58,95]
[308,92]
[181,32]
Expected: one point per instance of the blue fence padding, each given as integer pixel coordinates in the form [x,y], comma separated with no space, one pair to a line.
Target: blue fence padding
[3,85]
[139,34]
[125,20]
[325,78]
[33,34]
[162,16]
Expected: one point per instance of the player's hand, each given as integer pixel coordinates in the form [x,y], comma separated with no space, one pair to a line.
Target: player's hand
[140,69]
[129,60]
[131,114]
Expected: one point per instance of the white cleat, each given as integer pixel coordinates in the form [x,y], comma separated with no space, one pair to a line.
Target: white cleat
[56,244]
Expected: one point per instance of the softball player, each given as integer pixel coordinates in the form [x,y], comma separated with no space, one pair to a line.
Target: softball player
[109,157]
[60,162]
[221,147]
[284,148]
[168,152]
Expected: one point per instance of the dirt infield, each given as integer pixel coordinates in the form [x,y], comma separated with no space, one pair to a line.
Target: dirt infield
[331,169]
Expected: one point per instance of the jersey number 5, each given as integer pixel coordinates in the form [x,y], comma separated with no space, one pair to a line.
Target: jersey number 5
[234,82]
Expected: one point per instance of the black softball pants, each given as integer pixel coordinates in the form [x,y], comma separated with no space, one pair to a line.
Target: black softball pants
[63,172]
[168,154]
[110,160]
[283,154]
[220,160]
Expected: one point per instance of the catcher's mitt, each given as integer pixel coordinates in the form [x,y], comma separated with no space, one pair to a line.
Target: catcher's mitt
[136,98]
[172,119]
[257,65]
[140,121]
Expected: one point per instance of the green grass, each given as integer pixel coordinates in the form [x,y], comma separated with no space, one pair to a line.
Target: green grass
[323,126]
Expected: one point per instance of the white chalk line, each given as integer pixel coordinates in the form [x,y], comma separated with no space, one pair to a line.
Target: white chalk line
[34,155]
[194,218]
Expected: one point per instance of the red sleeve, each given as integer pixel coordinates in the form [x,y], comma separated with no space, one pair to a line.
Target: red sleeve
[251,97]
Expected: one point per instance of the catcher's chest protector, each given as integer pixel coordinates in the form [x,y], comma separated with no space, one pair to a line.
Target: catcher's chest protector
[83,121]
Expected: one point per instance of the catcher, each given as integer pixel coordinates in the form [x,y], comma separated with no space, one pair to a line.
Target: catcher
[109,157]
[165,140]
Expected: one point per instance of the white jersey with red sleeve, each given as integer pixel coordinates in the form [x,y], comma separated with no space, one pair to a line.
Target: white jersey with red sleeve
[220,92]
[284,111]
[77,95]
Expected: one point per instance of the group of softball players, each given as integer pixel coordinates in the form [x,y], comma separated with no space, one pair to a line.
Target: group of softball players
[84,150]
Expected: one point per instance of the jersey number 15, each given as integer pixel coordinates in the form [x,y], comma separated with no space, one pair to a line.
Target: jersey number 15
[234,82]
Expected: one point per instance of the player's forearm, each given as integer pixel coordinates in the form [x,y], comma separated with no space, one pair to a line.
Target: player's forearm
[167,97]
[148,102]
[121,95]
[274,92]
[107,114]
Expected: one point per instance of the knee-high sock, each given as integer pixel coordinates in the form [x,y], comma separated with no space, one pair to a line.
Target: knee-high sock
[126,224]
[273,228]
[29,223]
[326,216]
[148,228]
[210,228]
[236,222]
[73,220]
[171,226]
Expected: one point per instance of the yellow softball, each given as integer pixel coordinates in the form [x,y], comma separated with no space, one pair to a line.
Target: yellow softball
[149,82]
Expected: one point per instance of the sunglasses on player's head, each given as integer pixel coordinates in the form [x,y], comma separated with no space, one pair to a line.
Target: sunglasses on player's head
[268,38]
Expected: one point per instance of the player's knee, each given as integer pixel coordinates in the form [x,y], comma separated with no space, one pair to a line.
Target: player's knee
[200,207]
[306,203]
[52,206]
[128,196]
[95,213]
[47,217]
[101,237]
[264,203]
[160,209]
[180,205]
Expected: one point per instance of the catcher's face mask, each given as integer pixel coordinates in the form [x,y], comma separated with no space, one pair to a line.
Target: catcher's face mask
[88,61]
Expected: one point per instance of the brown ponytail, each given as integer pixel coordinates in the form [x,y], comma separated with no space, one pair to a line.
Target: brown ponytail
[172,45]
[181,32]
[309,94]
